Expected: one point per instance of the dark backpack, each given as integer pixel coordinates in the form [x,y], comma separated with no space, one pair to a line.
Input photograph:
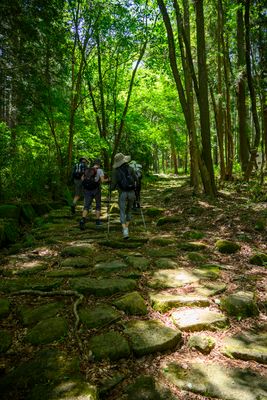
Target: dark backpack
[89,182]
[125,178]
[79,170]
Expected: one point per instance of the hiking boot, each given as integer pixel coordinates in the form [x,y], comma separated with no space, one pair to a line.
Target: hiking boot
[98,222]
[125,233]
[82,224]
[72,209]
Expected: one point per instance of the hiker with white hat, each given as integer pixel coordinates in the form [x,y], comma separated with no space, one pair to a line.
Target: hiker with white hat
[124,180]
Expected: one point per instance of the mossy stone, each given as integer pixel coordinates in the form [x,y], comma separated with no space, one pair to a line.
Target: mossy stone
[99,316]
[168,220]
[161,241]
[77,262]
[48,367]
[240,305]
[75,251]
[132,303]
[4,307]
[202,343]
[5,341]
[154,212]
[138,262]
[143,388]
[102,287]
[47,331]
[151,336]
[111,345]
[31,316]
[258,259]
[196,257]
[195,235]
[25,283]
[227,246]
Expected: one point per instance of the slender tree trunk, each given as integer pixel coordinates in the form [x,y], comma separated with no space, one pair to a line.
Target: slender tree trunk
[203,99]
[241,91]
[253,99]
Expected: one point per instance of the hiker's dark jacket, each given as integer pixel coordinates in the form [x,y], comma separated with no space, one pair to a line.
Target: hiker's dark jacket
[114,178]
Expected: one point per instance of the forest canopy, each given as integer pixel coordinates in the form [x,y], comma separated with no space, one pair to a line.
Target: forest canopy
[180,85]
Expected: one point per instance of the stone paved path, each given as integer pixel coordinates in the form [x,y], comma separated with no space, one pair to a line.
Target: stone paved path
[86,315]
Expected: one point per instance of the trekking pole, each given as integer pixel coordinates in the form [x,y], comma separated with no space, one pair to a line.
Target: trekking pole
[142,215]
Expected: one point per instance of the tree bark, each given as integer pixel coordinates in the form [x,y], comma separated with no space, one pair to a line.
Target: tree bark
[241,91]
[203,99]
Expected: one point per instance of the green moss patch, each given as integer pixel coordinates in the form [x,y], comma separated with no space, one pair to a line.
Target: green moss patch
[151,336]
[227,246]
[258,259]
[99,316]
[30,316]
[240,305]
[132,303]
[47,331]
[102,287]
[111,345]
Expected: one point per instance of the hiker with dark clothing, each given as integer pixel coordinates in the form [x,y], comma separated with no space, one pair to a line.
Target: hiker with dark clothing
[91,182]
[124,180]
[76,177]
[138,173]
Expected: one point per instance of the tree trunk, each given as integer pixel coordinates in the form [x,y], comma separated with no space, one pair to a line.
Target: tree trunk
[203,99]
[241,91]
[253,99]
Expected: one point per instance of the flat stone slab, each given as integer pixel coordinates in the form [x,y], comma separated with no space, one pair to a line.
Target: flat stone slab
[247,346]
[14,285]
[77,262]
[98,316]
[151,336]
[47,331]
[211,288]
[65,272]
[102,287]
[214,380]
[170,278]
[110,266]
[138,262]
[240,304]
[132,303]
[111,345]
[79,250]
[197,319]
[31,316]
[163,301]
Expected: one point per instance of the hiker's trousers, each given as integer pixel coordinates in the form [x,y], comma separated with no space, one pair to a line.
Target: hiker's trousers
[126,201]
[89,196]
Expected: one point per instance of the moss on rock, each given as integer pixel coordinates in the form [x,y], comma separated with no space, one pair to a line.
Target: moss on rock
[227,246]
